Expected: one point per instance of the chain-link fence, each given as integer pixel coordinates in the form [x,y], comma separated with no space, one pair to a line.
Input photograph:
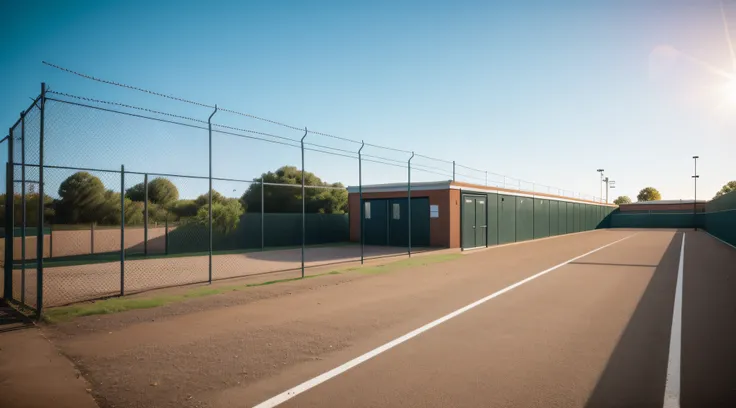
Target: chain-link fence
[136,198]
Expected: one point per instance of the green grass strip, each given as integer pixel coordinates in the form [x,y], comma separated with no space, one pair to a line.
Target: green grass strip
[121,304]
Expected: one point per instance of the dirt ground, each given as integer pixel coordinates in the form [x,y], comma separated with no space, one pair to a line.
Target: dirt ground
[592,333]
[69,284]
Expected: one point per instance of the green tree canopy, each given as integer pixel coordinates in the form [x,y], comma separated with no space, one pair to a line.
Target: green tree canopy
[82,194]
[727,188]
[648,194]
[185,208]
[160,191]
[225,215]
[203,199]
[288,199]
[622,200]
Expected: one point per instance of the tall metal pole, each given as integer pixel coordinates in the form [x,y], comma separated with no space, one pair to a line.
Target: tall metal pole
[23,207]
[486,178]
[408,189]
[263,214]
[304,201]
[145,214]
[695,200]
[41,196]
[606,180]
[122,230]
[601,183]
[453,170]
[209,200]
[362,205]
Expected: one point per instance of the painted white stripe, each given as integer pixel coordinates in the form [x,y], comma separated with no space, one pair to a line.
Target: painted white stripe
[307,385]
[672,386]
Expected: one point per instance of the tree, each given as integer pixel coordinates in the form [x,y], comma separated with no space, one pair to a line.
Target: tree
[203,199]
[81,195]
[727,188]
[160,191]
[184,208]
[622,200]
[648,194]
[288,199]
[225,215]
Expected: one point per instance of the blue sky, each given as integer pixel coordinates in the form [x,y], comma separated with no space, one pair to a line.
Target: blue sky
[543,91]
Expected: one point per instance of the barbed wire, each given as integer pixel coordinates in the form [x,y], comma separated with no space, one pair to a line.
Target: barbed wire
[184,100]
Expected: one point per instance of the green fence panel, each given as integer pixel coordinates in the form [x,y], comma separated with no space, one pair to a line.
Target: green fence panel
[655,220]
[541,218]
[30,232]
[506,219]
[524,218]
[575,217]
[280,230]
[563,218]
[554,217]
[722,224]
[492,219]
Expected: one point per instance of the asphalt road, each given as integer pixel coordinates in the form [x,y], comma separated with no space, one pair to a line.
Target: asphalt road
[592,333]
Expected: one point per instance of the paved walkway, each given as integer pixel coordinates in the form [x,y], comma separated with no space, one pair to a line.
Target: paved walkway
[32,372]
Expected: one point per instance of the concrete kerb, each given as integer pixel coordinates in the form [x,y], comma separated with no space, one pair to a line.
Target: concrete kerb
[718,239]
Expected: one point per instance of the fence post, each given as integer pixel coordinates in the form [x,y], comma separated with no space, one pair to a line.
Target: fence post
[41,196]
[166,234]
[486,178]
[9,227]
[209,199]
[304,200]
[362,205]
[453,170]
[23,207]
[263,215]
[51,241]
[122,230]
[145,214]
[92,238]
[408,200]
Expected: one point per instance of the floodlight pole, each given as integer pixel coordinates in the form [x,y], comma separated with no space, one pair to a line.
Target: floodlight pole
[600,185]
[360,193]
[408,190]
[209,199]
[695,187]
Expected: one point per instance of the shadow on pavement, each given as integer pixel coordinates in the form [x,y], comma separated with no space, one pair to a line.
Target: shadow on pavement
[11,319]
[637,369]
[708,323]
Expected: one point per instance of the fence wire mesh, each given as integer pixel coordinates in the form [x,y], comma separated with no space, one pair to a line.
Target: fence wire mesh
[127,190]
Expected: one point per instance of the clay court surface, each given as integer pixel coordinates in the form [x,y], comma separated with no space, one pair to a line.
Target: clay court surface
[593,332]
[76,283]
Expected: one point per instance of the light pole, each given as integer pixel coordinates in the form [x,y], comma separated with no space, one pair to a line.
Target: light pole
[695,200]
[601,183]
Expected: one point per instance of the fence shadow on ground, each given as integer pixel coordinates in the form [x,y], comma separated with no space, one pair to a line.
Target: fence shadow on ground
[11,319]
[635,372]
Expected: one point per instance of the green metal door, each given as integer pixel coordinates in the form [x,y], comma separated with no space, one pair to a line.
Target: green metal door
[524,218]
[375,214]
[492,220]
[506,219]
[570,217]
[468,225]
[420,222]
[554,217]
[398,222]
[481,226]
[541,218]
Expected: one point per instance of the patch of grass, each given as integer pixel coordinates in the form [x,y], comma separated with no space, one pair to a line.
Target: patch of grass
[115,305]
[406,263]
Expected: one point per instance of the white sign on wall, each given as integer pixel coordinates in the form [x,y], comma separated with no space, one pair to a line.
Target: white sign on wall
[434,211]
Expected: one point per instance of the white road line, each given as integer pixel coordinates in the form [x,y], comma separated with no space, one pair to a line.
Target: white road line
[307,385]
[672,386]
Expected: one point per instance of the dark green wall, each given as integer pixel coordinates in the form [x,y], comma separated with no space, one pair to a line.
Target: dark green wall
[513,218]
